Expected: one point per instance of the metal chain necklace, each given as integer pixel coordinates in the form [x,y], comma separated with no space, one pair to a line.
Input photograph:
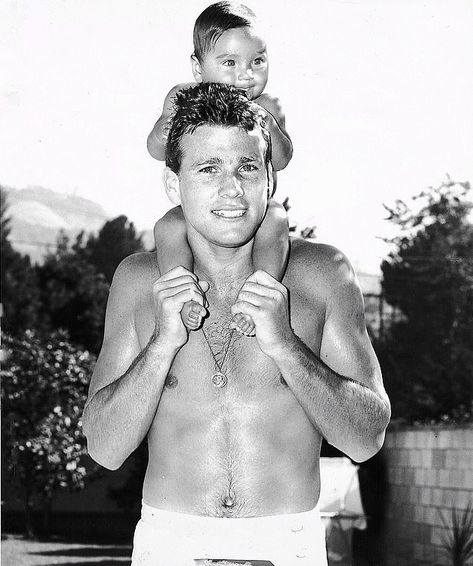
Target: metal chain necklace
[219,378]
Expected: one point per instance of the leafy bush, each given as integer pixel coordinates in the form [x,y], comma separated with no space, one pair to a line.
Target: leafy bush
[44,388]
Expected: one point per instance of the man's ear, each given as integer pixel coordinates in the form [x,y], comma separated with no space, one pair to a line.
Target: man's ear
[196,69]
[171,184]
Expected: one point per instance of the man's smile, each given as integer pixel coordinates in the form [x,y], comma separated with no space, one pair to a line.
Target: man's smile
[229,212]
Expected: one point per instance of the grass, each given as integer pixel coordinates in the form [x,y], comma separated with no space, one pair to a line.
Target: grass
[16,551]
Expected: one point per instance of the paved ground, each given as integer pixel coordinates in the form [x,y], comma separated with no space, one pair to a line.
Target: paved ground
[18,552]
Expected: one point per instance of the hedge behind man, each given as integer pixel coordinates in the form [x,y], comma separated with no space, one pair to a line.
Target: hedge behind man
[234,423]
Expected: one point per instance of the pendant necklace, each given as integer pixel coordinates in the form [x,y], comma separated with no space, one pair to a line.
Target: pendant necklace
[219,379]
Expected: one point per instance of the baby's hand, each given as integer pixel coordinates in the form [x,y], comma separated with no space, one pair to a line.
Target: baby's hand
[243,323]
[272,105]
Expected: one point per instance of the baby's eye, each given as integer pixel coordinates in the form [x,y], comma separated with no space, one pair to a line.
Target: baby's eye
[229,63]
[259,61]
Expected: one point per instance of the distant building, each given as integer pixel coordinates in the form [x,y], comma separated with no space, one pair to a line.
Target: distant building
[379,314]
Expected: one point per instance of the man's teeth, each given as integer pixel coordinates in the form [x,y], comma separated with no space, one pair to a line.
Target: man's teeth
[229,213]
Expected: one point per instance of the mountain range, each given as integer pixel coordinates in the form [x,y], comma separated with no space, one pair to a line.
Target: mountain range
[38,214]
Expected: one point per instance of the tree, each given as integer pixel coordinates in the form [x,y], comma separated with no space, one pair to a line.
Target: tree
[73,294]
[20,293]
[306,233]
[115,241]
[43,391]
[427,356]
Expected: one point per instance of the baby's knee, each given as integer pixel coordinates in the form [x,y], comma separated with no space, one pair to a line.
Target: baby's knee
[277,216]
[172,222]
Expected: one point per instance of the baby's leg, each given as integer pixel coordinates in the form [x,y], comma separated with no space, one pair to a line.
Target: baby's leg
[172,249]
[270,253]
[271,247]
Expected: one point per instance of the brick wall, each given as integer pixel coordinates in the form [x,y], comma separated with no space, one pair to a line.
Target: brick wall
[429,472]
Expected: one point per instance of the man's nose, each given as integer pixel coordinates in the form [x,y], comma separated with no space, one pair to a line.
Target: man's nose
[231,187]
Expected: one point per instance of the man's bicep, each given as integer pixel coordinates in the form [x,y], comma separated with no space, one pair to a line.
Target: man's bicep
[345,346]
[120,344]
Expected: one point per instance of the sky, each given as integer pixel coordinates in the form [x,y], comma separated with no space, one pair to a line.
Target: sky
[377,95]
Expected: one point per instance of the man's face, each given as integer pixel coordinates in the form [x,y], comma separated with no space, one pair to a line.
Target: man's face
[238,58]
[223,183]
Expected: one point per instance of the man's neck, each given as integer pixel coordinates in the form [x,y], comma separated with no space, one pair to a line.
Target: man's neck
[225,269]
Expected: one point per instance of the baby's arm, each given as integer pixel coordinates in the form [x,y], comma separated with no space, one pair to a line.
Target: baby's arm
[172,249]
[276,121]
[159,134]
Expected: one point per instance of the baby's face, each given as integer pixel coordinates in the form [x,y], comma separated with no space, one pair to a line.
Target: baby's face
[238,58]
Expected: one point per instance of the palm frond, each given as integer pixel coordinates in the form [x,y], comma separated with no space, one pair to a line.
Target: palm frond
[458,541]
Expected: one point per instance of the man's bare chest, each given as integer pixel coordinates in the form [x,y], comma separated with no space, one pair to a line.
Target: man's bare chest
[218,358]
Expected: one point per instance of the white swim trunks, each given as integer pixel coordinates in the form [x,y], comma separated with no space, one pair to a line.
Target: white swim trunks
[166,538]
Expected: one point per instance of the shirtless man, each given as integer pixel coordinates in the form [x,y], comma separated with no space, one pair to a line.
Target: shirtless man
[234,423]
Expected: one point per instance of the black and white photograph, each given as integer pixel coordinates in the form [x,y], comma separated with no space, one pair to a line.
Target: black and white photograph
[236,282]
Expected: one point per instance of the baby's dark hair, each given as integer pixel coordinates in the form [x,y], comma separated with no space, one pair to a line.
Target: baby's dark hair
[217,19]
[213,104]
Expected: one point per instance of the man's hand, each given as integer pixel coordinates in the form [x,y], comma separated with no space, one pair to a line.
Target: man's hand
[265,300]
[170,292]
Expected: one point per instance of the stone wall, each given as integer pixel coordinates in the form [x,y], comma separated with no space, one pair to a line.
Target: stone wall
[429,473]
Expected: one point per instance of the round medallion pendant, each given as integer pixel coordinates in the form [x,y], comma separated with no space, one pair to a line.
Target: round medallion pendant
[219,379]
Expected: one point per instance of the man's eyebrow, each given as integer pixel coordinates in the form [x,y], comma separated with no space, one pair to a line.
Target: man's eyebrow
[249,158]
[209,161]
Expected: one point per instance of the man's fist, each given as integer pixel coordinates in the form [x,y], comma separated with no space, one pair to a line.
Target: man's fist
[170,292]
[265,300]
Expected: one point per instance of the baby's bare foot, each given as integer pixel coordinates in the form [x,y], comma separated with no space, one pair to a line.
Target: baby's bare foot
[191,314]
[244,324]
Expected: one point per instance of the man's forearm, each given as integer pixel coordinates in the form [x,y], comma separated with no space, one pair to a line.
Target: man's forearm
[117,417]
[348,414]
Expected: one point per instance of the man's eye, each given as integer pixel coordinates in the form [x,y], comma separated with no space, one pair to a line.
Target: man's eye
[248,167]
[229,63]
[208,169]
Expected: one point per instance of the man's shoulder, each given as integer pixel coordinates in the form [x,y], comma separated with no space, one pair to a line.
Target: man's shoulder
[313,265]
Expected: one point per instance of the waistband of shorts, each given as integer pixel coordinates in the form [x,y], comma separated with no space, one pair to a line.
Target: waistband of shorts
[151,514]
